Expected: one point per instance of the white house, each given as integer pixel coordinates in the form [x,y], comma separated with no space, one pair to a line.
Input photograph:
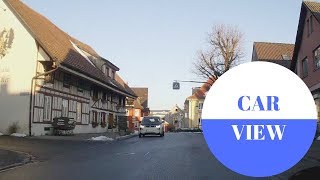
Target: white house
[46,73]
[176,117]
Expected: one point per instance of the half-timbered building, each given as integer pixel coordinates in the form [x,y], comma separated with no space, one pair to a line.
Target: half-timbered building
[46,73]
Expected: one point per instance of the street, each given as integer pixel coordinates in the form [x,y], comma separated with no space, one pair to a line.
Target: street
[176,156]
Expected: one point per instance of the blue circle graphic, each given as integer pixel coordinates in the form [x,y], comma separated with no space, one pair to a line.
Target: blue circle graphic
[259,158]
[259,119]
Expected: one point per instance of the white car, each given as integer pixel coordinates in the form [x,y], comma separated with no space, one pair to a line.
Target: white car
[151,125]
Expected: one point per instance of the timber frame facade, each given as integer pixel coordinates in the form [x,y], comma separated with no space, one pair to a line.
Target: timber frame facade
[46,73]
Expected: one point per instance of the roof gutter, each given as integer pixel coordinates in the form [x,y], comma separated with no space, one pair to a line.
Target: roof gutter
[32,94]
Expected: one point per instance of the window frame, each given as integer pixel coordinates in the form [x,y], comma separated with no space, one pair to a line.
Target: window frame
[94,116]
[65,109]
[47,110]
[79,112]
[95,94]
[200,106]
[311,24]
[308,27]
[302,67]
[315,59]
[67,81]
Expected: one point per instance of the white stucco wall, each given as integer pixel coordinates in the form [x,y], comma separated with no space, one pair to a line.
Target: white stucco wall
[17,68]
[194,114]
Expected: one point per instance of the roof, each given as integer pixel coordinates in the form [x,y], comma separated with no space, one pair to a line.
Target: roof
[142,93]
[137,105]
[125,85]
[200,94]
[273,51]
[58,44]
[176,107]
[314,8]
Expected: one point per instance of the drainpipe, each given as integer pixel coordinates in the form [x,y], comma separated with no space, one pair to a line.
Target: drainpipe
[31,93]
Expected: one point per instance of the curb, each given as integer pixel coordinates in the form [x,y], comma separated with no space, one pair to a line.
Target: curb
[126,137]
[28,159]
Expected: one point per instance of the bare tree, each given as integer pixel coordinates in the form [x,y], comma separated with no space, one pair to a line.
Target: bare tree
[224,51]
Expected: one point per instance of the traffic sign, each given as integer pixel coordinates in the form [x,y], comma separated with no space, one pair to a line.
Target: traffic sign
[176,85]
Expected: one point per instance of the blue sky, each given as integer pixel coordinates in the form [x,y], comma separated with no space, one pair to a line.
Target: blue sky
[156,42]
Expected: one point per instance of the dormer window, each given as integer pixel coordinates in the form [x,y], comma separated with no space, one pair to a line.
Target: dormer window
[112,74]
[103,69]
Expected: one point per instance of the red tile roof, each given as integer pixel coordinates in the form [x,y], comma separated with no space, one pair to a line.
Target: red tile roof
[142,94]
[58,44]
[200,94]
[273,51]
[314,7]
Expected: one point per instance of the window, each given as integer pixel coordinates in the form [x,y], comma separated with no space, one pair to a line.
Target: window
[113,74]
[285,57]
[85,113]
[137,112]
[94,116]
[316,54]
[65,108]
[104,96]
[308,27]
[80,86]
[305,67]
[104,69]
[311,24]
[200,106]
[79,112]
[95,95]
[66,80]
[103,117]
[47,108]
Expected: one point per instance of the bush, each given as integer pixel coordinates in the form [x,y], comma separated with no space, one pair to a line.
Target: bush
[13,128]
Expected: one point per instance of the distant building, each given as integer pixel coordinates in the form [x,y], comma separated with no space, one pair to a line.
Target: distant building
[279,53]
[195,89]
[159,113]
[143,96]
[176,118]
[133,107]
[193,105]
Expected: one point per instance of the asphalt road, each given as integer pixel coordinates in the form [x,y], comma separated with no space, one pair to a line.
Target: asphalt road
[175,156]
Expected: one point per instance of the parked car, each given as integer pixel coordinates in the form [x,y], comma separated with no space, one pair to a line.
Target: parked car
[151,125]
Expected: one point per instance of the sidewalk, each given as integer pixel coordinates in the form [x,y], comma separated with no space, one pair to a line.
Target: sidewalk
[9,159]
[106,136]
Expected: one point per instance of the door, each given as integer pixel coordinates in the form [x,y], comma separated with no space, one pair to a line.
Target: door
[111,121]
